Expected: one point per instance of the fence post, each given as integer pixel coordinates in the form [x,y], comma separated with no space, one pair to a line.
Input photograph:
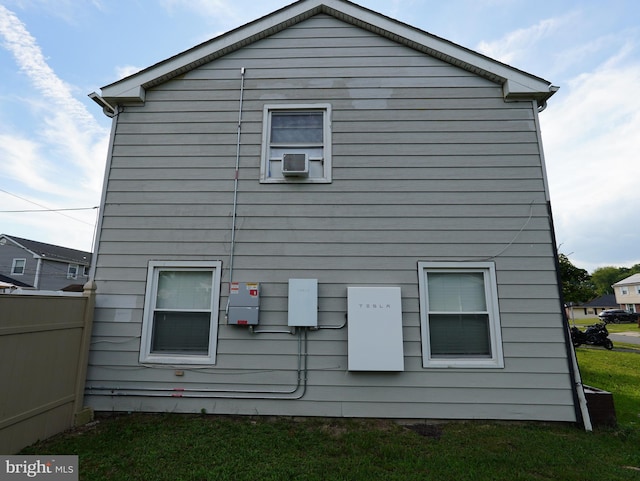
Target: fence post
[83,415]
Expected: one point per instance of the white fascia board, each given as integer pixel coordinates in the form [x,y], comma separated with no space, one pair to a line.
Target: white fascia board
[517,85]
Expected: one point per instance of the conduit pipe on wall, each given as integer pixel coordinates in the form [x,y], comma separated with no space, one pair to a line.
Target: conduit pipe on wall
[297,392]
[235,186]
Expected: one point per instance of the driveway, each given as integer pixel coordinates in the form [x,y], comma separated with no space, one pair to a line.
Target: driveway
[630,337]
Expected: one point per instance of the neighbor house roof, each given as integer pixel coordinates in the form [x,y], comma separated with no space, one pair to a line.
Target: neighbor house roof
[517,85]
[50,251]
[12,281]
[631,280]
[608,300]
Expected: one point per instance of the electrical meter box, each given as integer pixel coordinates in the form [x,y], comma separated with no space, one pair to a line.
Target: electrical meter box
[244,303]
[303,303]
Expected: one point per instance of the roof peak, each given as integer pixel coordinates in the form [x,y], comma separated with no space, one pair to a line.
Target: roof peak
[517,85]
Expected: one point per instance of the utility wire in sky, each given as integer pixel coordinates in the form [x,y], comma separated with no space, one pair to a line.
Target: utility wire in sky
[46,209]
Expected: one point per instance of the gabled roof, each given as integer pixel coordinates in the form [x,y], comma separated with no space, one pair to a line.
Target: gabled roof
[12,281]
[50,251]
[634,279]
[608,300]
[517,85]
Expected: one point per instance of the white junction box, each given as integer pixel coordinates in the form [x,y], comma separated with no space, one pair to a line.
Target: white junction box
[303,302]
[375,329]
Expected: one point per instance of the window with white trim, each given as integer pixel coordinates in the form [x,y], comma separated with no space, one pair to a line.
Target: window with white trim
[459,315]
[624,291]
[296,144]
[72,271]
[180,319]
[18,266]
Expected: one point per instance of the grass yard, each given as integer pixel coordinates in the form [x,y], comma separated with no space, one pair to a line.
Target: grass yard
[166,447]
[617,372]
[173,447]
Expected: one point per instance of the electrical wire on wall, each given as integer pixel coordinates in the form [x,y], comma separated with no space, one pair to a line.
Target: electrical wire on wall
[295,392]
[234,214]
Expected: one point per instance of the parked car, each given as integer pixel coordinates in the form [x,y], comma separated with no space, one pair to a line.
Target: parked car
[618,315]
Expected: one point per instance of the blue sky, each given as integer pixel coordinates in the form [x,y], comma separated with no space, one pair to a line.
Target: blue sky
[53,138]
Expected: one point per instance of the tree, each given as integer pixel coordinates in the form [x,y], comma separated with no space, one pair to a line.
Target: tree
[604,277]
[576,283]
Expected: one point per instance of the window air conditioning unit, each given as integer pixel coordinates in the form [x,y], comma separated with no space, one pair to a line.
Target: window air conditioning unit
[295,165]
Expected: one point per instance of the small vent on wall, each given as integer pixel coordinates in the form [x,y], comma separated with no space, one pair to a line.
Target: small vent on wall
[295,165]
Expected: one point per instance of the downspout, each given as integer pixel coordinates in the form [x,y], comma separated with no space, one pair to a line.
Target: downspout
[112,114]
[580,401]
[36,279]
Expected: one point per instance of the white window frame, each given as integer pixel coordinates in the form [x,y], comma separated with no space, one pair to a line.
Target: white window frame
[153,270]
[624,291]
[491,296]
[72,271]
[15,264]
[266,158]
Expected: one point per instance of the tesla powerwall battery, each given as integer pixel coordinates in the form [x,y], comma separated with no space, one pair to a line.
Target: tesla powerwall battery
[375,329]
[303,302]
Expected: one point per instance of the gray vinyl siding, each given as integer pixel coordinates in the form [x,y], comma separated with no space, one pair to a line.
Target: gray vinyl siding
[429,163]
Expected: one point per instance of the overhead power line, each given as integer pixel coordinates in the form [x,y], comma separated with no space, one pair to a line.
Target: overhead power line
[45,208]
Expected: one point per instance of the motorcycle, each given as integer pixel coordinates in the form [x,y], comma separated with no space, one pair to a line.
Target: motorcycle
[595,335]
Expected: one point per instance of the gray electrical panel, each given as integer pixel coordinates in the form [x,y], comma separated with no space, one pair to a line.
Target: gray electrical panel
[303,302]
[244,303]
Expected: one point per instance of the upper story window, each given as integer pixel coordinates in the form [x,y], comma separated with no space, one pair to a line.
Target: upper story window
[296,144]
[624,290]
[459,315]
[18,266]
[72,271]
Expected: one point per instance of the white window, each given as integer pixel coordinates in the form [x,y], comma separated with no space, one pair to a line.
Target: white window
[296,143]
[180,319]
[18,266]
[72,271]
[459,315]
[624,290]
[637,289]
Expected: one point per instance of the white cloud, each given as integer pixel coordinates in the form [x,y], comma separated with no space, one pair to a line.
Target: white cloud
[126,70]
[517,44]
[591,144]
[62,162]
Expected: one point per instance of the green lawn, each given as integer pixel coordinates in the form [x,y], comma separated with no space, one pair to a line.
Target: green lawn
[197,448]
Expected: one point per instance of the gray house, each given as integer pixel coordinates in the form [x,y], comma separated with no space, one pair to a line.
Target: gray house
[30,264]
[327,212]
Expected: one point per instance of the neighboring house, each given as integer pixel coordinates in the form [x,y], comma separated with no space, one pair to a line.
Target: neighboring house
[382,204]
[627,292]
[592,308]
[36,265]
